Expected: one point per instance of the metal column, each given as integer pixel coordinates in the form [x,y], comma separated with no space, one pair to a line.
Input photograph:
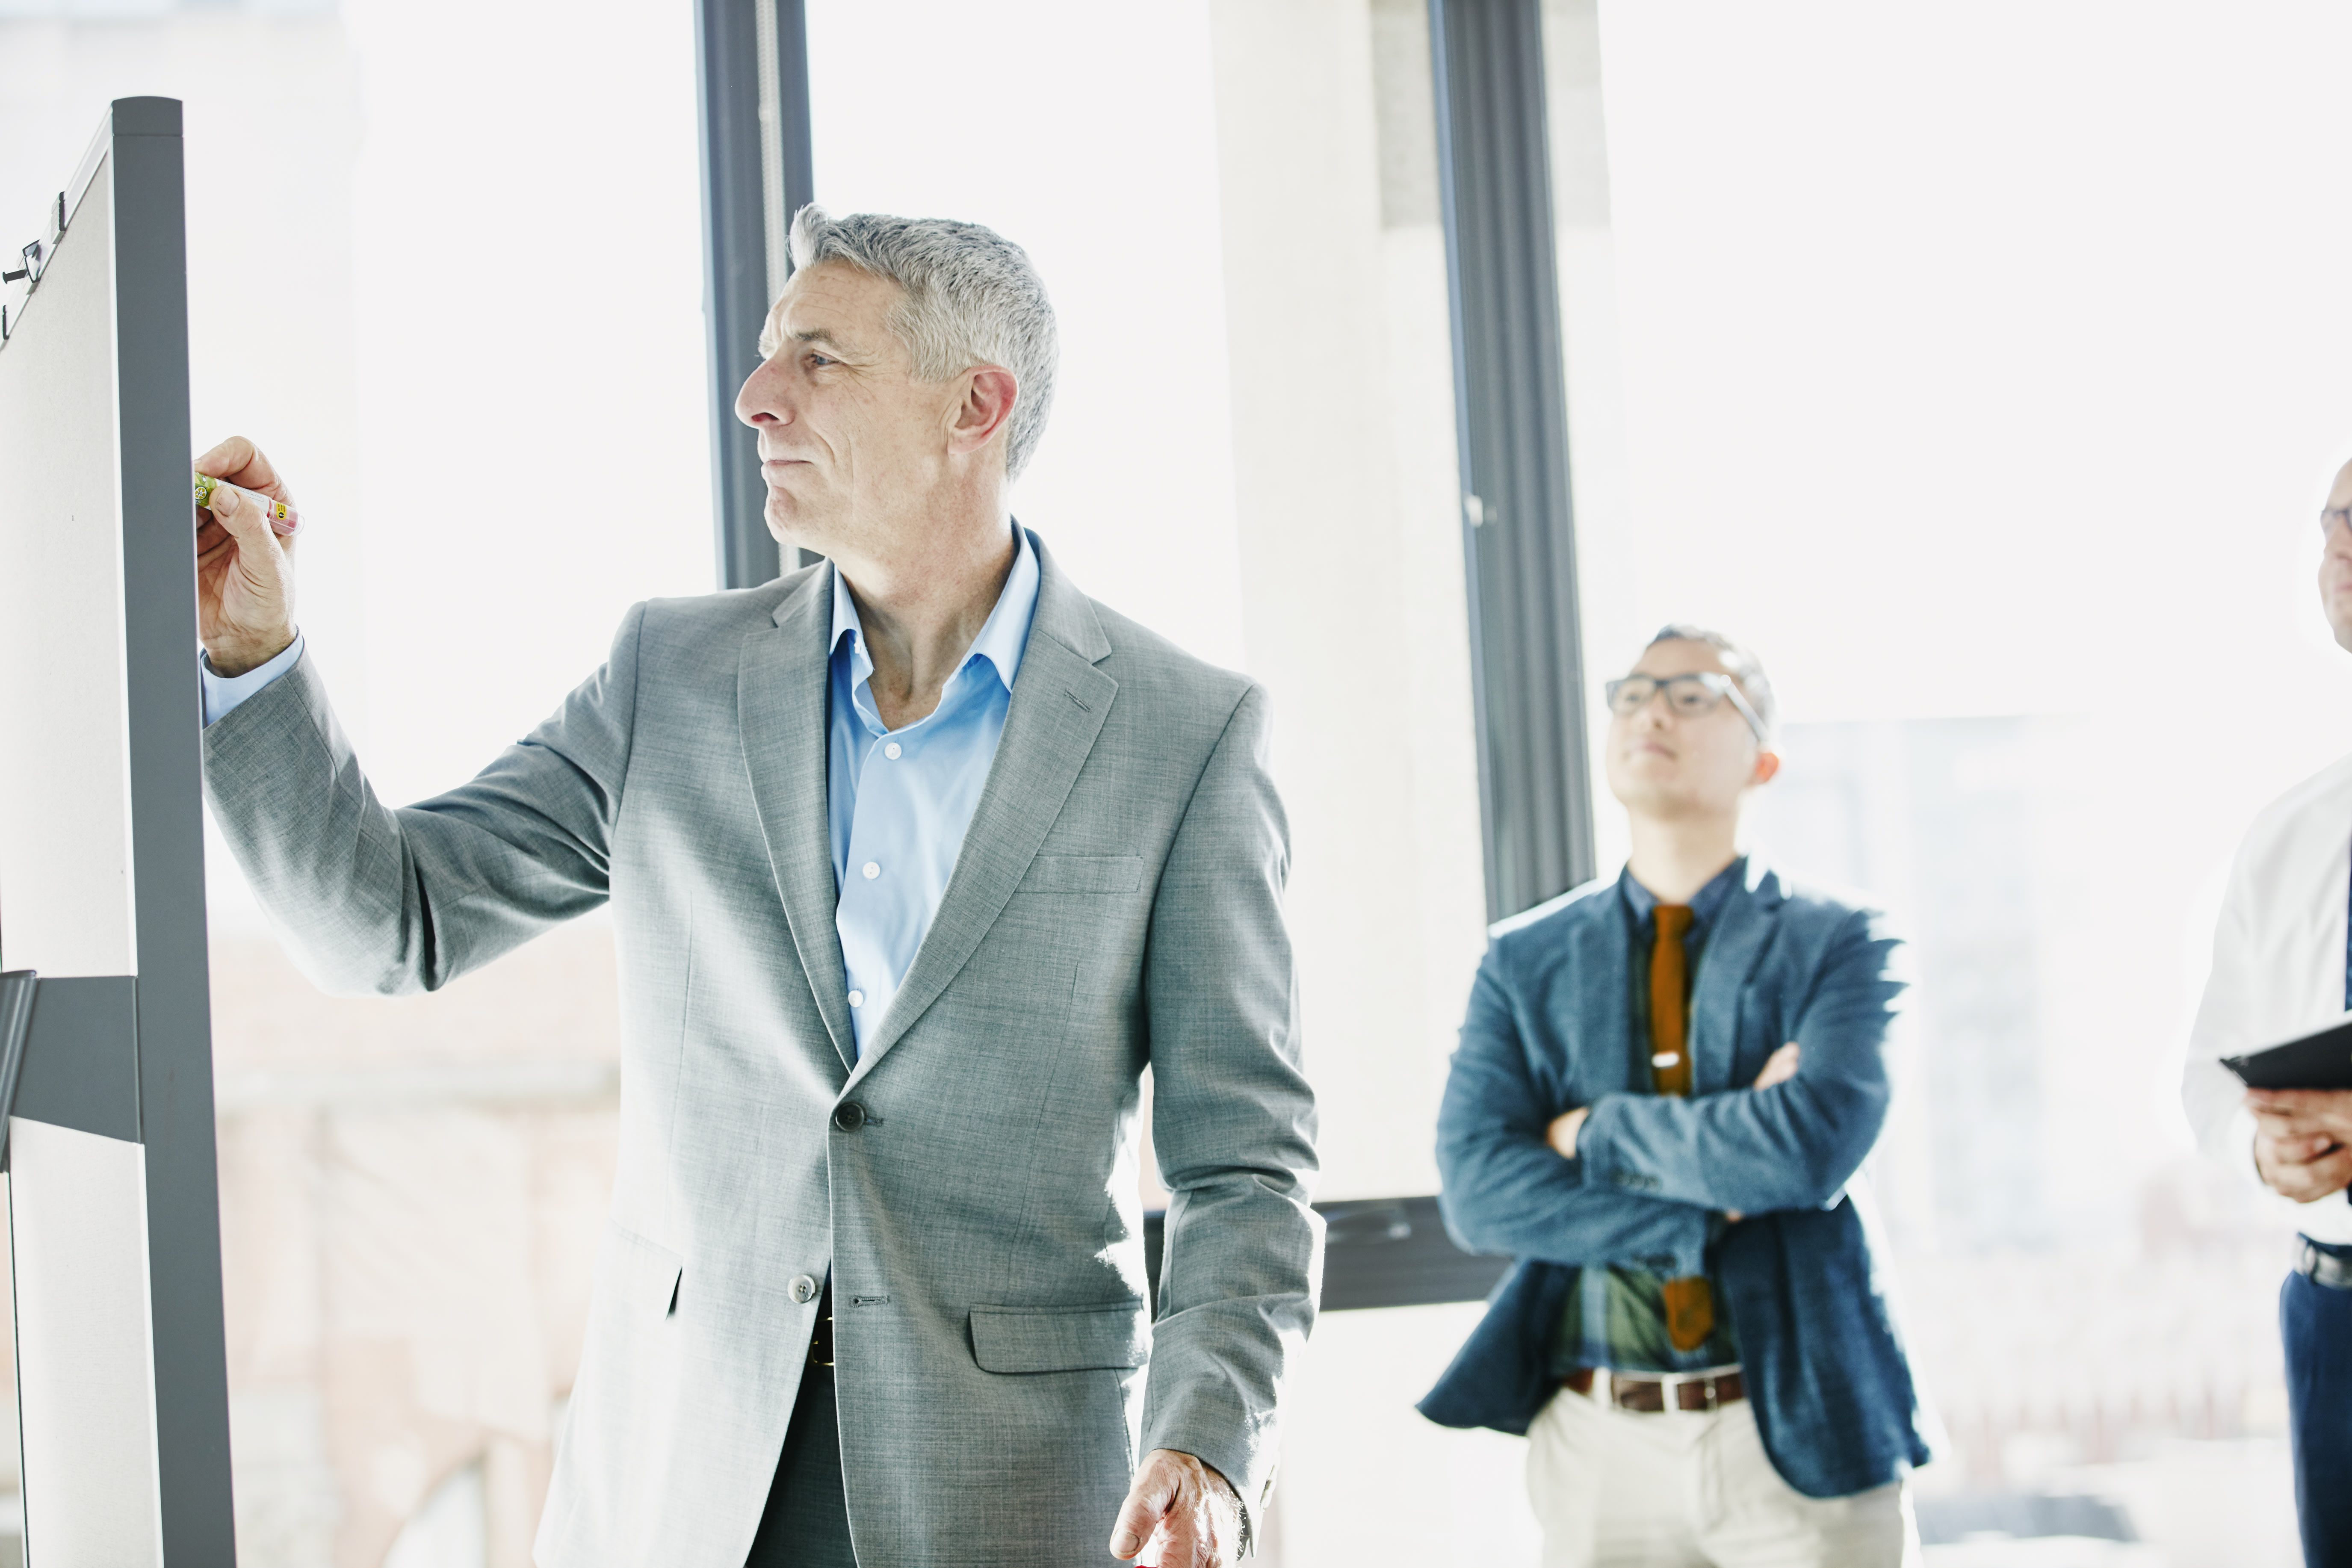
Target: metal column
[1518,528]
[751,64]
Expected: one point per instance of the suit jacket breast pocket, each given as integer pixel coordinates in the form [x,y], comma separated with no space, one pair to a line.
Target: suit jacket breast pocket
[1084,874]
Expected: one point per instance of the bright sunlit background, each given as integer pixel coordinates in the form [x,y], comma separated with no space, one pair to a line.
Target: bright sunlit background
[1980,367]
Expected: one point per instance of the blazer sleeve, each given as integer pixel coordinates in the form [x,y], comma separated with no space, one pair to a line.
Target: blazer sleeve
[1792,1146]
[1233,1122]
[372,899]
[1505,1190]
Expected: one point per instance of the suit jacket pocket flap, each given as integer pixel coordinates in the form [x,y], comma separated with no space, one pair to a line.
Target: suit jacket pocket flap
[644,1277]
[1084,874]
[1060,1339]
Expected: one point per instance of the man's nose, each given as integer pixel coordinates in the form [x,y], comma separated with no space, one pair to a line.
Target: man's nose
[760,400]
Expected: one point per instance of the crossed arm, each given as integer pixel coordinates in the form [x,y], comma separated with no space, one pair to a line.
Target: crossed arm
[1636,1179]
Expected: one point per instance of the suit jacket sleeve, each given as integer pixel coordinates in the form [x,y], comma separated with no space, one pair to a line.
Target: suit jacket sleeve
[374,899]
[1792,1146]
[1233,1122]
[1508,1191]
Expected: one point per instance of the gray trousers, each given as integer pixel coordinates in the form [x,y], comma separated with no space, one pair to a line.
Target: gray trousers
[806,1524]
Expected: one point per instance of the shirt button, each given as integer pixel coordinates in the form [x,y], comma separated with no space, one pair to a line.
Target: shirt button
[891,751]
[870,871]
[805,1288]
[857,998]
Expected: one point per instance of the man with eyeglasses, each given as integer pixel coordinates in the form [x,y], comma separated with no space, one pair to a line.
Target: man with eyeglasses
[1665,1083]
[2283,967]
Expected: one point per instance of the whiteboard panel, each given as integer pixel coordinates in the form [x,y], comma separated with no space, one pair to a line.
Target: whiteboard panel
[85,1390]
[64,865]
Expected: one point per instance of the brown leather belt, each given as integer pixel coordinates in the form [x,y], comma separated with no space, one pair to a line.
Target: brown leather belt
[1646,1393]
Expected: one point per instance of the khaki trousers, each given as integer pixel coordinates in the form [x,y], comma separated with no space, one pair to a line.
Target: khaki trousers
[1613,1489]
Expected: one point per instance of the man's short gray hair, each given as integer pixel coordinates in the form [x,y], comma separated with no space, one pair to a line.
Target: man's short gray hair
[970,296]
[1739,663]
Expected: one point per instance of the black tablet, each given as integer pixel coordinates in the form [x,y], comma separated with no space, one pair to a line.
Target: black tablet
[2323,1060]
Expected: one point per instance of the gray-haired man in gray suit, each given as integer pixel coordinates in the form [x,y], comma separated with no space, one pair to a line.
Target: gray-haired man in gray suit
[916,860]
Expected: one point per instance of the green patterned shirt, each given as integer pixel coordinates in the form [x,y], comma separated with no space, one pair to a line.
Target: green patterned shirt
[1616,1317]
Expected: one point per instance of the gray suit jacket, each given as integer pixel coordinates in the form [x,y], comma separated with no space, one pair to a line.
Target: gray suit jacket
[1116,903]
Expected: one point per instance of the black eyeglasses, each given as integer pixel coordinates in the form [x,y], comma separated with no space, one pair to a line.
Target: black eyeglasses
[1689,695]
[2333,515]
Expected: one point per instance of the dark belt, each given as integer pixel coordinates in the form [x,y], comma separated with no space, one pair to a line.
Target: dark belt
[2330,1269]
[1646,1392]
[821,1342]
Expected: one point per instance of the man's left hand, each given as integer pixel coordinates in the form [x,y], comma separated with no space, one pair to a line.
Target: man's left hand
[1181,1511]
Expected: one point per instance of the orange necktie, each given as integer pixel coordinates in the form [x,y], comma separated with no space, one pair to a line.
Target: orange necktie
[1690,1304]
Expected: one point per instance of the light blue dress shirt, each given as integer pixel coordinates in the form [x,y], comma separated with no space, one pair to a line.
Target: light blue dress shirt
[224,693]
[899,800]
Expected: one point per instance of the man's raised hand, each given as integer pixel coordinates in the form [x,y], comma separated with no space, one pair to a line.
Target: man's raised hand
[245,572]
[1180,1511]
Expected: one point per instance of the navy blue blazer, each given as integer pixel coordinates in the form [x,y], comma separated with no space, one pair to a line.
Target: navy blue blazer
[1549,1029]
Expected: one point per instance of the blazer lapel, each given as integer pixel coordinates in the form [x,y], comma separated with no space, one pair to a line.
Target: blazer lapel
[1733,951]
[1057,709]
[781,683]
[1605,1010]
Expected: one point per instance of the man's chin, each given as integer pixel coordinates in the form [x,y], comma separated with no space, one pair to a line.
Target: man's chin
[1651,798]
[2339,620]
[789,532]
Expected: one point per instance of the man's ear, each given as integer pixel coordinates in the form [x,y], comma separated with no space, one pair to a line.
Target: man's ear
[986,407]
[1768,765]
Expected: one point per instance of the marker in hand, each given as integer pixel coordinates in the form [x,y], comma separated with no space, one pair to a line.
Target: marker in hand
[283,519]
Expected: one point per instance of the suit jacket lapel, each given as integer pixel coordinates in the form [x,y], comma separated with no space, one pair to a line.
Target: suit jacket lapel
[781,684]
[1605,1016]
[1058,705]
[1733,950]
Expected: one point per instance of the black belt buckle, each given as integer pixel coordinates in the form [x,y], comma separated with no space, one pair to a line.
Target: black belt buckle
[821,1342]
[2329,1267]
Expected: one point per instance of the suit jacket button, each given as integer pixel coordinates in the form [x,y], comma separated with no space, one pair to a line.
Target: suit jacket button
[805,1288]
[849,1116]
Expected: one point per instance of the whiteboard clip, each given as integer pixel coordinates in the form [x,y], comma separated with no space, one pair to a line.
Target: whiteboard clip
[31,261]
[35,254]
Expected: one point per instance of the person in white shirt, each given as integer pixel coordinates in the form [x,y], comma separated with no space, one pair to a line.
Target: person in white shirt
[2283,967]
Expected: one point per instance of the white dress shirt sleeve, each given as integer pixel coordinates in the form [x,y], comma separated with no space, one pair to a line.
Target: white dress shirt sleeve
[2210,1092]
[224,693]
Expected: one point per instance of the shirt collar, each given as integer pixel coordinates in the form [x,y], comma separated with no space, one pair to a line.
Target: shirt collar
[1704,903]
[1002,640]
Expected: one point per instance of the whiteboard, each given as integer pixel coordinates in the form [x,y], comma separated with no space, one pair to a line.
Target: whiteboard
[113,1192]
[66,897]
